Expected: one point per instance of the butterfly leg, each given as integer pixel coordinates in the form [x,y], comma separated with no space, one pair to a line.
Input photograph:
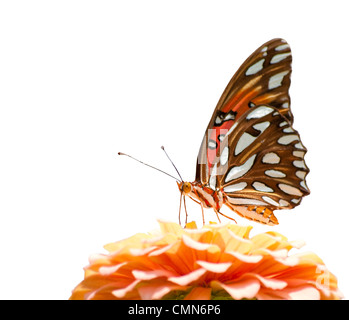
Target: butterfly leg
[216,211]
[186,213]
[230,218]
[180,207]
[202,208]
[202,212]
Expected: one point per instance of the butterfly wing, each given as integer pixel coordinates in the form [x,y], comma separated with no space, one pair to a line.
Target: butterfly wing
[250,150]
[264,78]
[261,163]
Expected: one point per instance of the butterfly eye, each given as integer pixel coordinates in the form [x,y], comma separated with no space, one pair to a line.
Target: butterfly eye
[186,188]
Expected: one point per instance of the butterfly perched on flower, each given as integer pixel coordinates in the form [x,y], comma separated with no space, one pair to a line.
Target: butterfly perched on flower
[251,158]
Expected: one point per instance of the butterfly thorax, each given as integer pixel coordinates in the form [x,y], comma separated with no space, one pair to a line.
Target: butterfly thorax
[206,196]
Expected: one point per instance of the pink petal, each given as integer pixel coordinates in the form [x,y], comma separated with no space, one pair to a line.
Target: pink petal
[189,242]
[188,278]
[241,289]
[157,291]
[274,284]
[142,252]
[93,258]
[161,250]
[149,275]
[277,254]
[108,270]
[153,240]
[290,261]
[246,258]
[305,292]
[214,267]
[120,293]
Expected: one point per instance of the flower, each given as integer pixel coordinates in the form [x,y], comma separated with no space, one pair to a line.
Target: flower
[218,261]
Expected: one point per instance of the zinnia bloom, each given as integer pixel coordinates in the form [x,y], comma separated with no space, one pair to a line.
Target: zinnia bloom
[218,261]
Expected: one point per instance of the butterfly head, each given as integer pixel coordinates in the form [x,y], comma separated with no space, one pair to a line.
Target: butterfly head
[184,187]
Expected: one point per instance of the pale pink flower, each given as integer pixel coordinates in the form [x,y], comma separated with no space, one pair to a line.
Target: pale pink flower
[215,262]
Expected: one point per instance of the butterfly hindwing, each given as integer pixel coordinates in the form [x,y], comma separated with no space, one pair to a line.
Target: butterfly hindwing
[261,162]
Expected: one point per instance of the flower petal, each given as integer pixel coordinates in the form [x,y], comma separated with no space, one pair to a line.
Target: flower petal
[246,288]
[246,258]
[188,278]
[108,270]
[142,251]
[120,293]
[193,244]
[212,262]
[152,274]
[156,291]
[215,267]
[270,283]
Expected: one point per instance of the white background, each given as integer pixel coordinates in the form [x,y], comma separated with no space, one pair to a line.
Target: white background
[82,80]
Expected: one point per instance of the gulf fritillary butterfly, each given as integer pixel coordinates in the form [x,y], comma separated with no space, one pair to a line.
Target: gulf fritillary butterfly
[251,159]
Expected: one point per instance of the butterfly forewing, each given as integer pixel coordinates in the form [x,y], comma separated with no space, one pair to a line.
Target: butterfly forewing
[264,78]
[250,151]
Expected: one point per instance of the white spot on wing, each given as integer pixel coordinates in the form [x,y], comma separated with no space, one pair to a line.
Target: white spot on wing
[275,174]
[239,171]
[212,144]
[218,120]
[299,154]
[224,156]
[235,187]
[213,180]
[301,174]
[258,66]
[262,126]
[283,203]
[290,190]
[270,200]
[288,130]
[285,140]
[299,145]
[271,158]
[282,47]
[264,49]
[276,80]
[221,137]
[299,164]
[259,186]
[279,57]
[229,116]
[245,201]
[245,140]
[259,112]
[303,184]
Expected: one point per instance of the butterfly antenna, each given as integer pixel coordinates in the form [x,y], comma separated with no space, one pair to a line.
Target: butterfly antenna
[124,154]
[163,148]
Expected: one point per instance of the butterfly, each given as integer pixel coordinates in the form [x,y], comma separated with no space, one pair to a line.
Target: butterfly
[251,159]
